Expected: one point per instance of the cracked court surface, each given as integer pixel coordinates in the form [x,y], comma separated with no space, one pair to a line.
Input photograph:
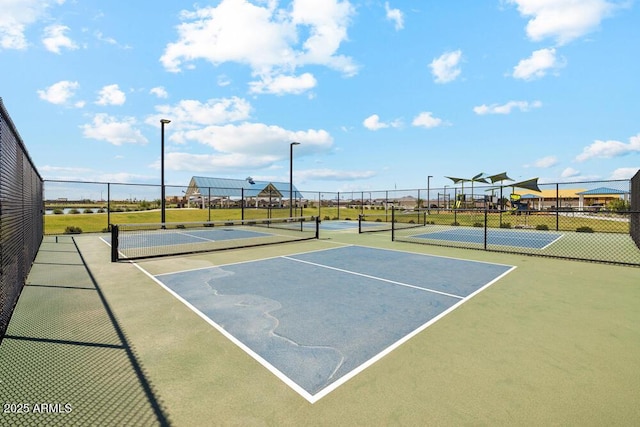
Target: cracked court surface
[316,319]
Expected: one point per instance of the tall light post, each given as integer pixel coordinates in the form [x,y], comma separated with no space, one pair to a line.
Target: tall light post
[428,193]
[162,195]
[291,178]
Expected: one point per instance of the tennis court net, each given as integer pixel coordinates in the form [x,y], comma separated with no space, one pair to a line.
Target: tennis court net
[137,241]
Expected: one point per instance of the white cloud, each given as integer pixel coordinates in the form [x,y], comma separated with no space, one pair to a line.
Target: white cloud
[16,16]
[563,20]
[569,173]
[55,39]
[258,139]
[159,91]
[280,85]
[112,130]
[249,147]
[272,41]
[373,123]
[523,106]
[59,93]
[111,95]
[426,120]
[537,65]
[446,68]
[624,173]
[394,15]
[609,149]
[192,114]
[546,162]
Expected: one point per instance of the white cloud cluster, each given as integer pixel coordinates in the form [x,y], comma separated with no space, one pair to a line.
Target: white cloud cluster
[282,84]
[268,39]
[59,93]
[446,67]
[115,131]
[221,125]
[563,20]
[426,120]
[192,114]
[394,15]
[55,38]
[506,108]
[373,123]
[537,65]
[16,16]
[609,149]
[546,162]
[159,91]
[111,95]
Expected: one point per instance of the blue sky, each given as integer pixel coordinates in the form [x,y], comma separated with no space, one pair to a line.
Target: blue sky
[380,94]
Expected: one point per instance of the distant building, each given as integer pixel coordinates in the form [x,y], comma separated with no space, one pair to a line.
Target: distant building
[226,192]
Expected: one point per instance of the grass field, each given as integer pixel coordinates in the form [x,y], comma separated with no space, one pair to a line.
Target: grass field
[99,222]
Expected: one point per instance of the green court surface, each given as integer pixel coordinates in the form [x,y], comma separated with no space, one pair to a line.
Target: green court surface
[554,342]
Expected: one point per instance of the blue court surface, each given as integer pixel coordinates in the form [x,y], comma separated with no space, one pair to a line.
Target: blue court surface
[316,319]
[532,239]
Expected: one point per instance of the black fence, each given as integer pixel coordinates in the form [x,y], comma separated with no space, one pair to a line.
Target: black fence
[635,207]
[21,221]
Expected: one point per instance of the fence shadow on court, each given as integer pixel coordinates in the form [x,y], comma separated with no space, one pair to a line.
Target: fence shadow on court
[66,359]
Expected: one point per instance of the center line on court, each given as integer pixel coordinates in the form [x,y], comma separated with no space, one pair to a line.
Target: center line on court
[375,278]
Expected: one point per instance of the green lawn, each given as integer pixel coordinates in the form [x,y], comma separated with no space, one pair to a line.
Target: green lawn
[99,222]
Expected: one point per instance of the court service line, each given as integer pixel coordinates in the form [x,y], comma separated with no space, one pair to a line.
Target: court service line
[375,278]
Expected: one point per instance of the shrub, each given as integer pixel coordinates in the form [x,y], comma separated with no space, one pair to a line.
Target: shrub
[542,227]
[326,218]
[455,223]
[74,211]
[378,220]
[505,225]
[584,229]
[87,210]
[58,211]
[72,230]
[478,224]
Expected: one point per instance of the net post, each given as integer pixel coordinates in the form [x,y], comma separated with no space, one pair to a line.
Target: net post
[318,227]
[393,223]
[485,228]
[114,243]
[360,217]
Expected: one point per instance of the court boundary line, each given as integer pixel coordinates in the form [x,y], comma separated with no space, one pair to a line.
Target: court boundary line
[380,279]
[313,398]
[551,233]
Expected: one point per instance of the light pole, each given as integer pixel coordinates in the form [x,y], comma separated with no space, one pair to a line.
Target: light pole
[162,195]
[291,178]
[428,193]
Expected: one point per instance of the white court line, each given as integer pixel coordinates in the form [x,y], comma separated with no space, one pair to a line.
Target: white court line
[375,278]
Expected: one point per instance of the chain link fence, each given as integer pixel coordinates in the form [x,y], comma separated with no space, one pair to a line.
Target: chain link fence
[595,218]
[21,225]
